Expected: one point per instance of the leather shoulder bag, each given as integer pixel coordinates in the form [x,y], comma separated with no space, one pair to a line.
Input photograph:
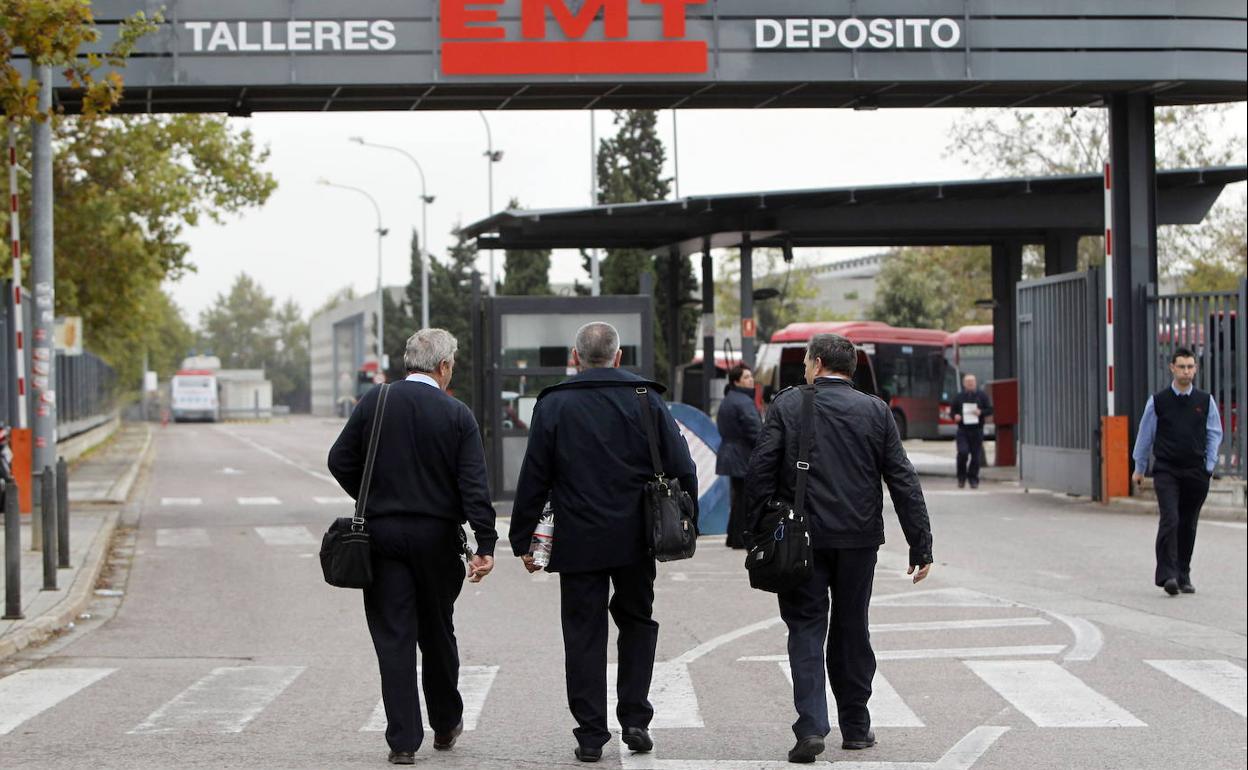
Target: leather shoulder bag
[671,526]
[346,556]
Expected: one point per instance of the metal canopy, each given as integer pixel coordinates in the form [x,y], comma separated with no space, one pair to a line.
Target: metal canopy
[932,213]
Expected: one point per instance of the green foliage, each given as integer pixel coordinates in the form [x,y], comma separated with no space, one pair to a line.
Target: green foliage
[526,272]
[799,300]
[934,287]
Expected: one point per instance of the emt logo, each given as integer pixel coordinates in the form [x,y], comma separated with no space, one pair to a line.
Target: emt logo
[475,42]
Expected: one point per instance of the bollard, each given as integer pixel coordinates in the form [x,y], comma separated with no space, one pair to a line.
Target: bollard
[62,512]
[12,552]
[47,489]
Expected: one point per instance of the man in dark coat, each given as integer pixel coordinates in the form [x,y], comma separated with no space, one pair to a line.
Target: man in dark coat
[1182,429]
[428,479]
[739,425]
[589,456]
[855,447]
[969,409]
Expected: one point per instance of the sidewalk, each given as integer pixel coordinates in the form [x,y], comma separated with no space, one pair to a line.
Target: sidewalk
[939,458]
[99,483]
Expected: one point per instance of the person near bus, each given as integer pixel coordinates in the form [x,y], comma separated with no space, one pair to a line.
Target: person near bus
[739,425]
[1182,429]
[969,409]
[855,447]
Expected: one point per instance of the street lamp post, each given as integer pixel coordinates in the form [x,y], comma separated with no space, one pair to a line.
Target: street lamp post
[425,200]
[381,307]
[492,156]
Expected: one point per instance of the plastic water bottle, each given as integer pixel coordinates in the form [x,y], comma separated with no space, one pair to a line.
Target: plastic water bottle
[544,537]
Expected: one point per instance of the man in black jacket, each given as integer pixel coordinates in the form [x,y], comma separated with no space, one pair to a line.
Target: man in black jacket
[428,480]
[855,446]
[589,456]
[969,409]
[739,425]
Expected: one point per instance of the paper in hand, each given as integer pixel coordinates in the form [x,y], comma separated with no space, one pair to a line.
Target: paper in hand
[970,414]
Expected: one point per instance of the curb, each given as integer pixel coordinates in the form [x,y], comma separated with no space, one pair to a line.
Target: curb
[76,599]
[121,490]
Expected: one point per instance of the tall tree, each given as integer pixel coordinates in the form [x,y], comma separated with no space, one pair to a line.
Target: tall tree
[290,370]
[526,271]
[239,327]
[450,286]
[933,287]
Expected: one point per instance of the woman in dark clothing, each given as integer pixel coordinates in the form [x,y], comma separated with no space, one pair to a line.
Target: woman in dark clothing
[739,425]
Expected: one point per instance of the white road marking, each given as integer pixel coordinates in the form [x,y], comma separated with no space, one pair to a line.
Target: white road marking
[339,500]
[887,707]
[1088,638]
[225,701]
[228,471]
[188,537]
[286,536]
[941,597]
[280,457]
[710,576]
[1051,696]
[30,692]
[474,688]
[179,501]
[671,693]
[710,645]
[1218,680]
[1227,524]
[929,654]
[951,625]
[259,501]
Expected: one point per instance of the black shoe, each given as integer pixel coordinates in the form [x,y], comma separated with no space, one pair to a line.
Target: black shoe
[806,750]
[446,741]
[1187,587]
[638,739]
[865,743]
[587,754]
[961,484]
[402,757]
[974,485]
[1172,587]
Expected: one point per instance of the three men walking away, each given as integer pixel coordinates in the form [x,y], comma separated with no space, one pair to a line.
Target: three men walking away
[739,425]
[428,479]
[969,409]
[856,445]
[1182,429]
[589,455]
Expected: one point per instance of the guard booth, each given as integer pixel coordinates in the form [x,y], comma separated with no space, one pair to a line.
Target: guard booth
[524,344]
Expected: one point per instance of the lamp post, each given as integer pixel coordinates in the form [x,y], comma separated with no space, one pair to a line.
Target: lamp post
[381,232]
[492,156]
[425,200]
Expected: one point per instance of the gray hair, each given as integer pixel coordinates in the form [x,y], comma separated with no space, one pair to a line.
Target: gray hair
[837,353]
[596,344]
[428,348]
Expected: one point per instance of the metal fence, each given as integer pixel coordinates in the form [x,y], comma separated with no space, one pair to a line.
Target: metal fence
[1211,325]
[85,392]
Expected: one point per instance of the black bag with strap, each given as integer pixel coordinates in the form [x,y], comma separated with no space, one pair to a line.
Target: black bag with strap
[781,557]
[671,520]
[346,556]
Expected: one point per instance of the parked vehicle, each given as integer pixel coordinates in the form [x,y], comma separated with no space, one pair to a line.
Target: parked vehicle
[193,395]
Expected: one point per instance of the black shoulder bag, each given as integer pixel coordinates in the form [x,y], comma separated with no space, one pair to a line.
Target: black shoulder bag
[671,529]
[781,557]
[346,559]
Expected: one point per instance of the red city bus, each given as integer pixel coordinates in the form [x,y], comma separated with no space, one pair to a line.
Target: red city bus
[969,352]
[904,367]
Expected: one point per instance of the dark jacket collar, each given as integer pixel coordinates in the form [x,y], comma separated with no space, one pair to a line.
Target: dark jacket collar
[603,378]
[832,381]
[747,392]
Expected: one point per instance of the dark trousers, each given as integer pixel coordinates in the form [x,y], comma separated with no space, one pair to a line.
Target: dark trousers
[417,575]
[846,576]
[737,516]
[970,451]
[584,607]
[1180,494]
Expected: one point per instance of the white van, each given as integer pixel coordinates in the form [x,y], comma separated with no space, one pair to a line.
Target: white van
[193,396]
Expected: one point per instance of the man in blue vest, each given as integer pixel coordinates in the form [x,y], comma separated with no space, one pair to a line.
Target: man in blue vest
[1183,430]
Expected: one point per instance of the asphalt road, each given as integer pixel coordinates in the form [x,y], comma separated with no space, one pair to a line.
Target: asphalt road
[1038,642]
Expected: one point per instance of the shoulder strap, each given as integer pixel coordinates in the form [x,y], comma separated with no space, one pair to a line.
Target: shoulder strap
[643,395]
[367,479]
[805,437]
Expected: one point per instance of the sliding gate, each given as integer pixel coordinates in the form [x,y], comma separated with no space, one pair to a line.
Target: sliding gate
[1060,388]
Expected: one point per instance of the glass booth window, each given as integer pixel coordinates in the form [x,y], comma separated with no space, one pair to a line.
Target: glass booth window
[532,340]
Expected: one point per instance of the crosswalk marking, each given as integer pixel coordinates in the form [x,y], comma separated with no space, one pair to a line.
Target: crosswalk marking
[31,692]
[225,701]
[259,501]
[1051,696]
[286,535]
[671,693]
[952,625]
[181,501]
[887,707]
[474,687]
[1218,680]
[339,500]
[186,537]
[948,652]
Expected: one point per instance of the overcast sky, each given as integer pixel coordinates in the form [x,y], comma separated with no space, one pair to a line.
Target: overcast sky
[309,241]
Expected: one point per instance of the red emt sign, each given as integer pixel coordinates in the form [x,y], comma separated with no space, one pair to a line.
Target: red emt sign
[474,42]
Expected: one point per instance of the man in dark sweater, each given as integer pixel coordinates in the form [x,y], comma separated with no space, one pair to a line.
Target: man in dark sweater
[1183,430]
[969,409]
[855,447]
[428,480]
